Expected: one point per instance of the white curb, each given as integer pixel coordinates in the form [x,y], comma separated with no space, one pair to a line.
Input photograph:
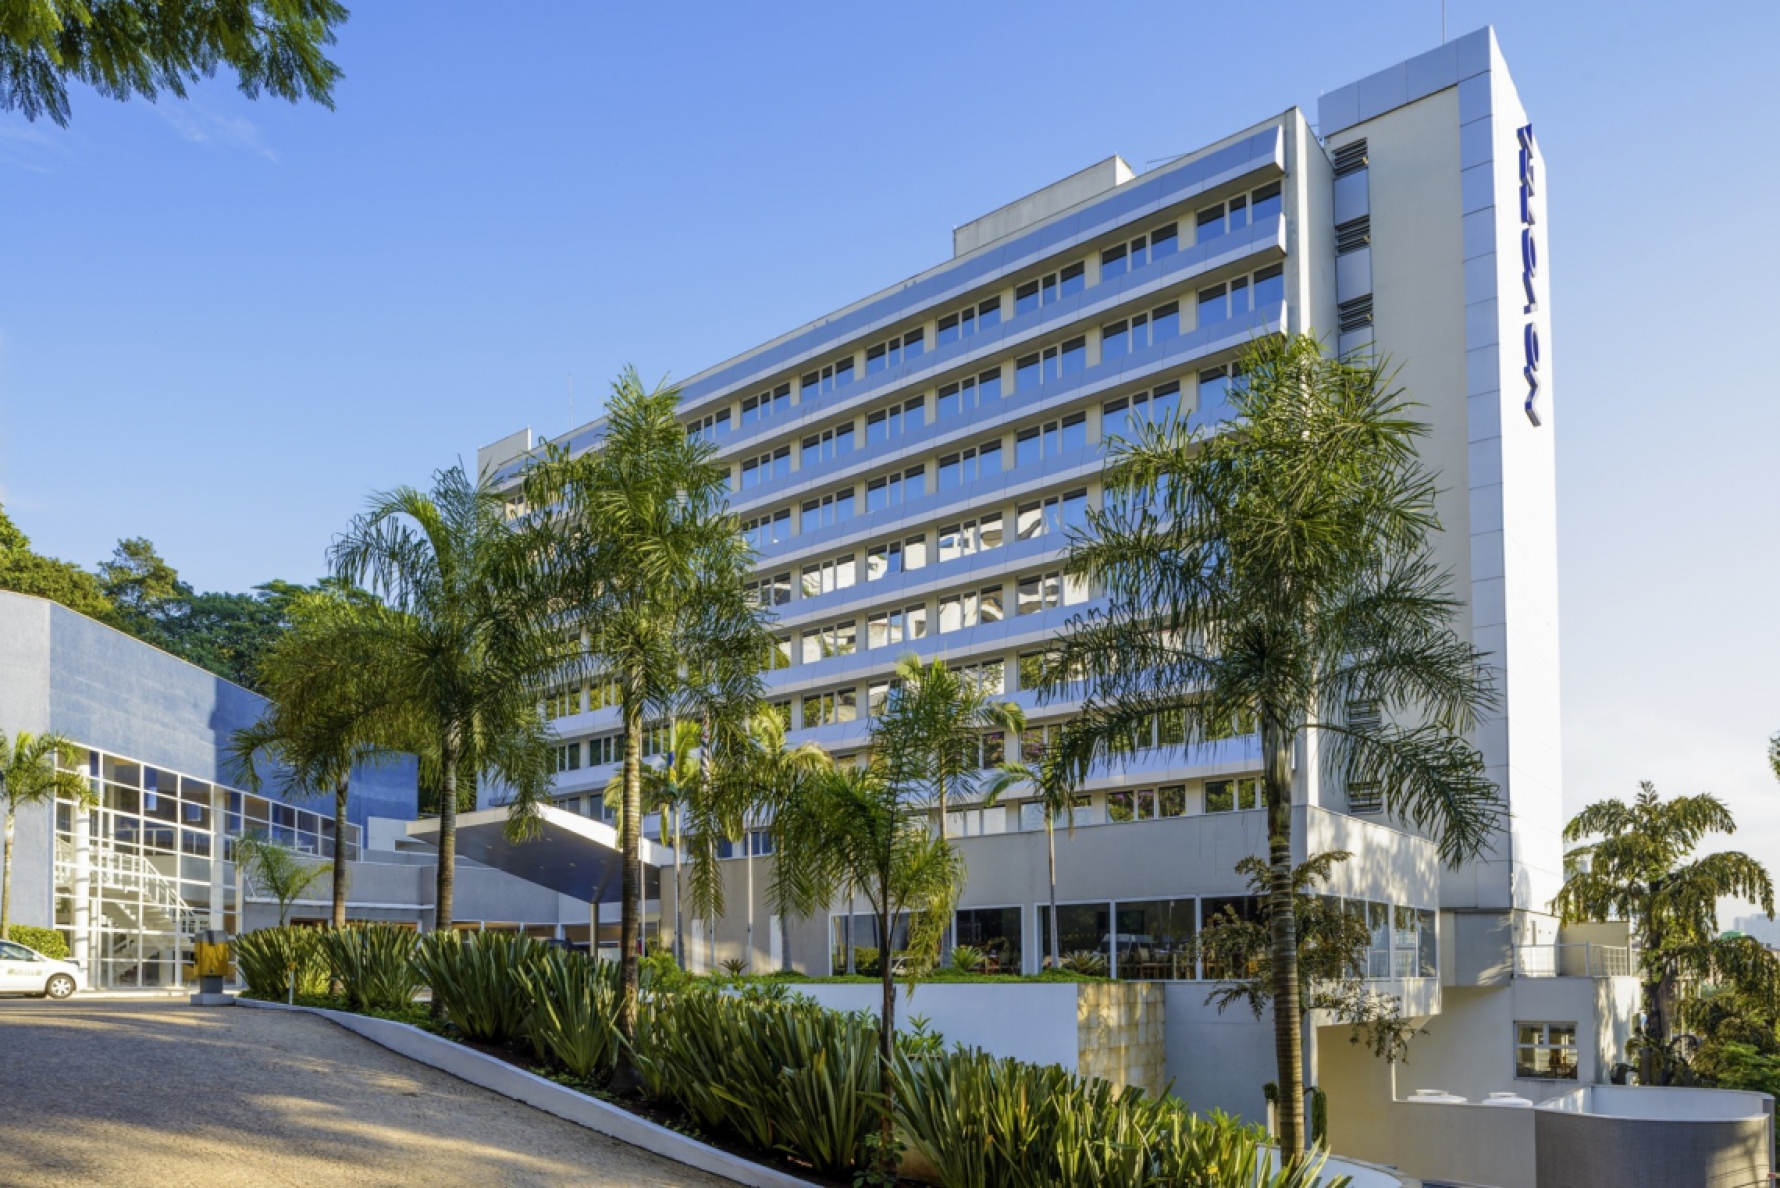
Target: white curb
[509,1081]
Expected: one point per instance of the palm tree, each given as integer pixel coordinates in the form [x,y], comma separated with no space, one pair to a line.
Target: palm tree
[1055,798]
[1636,863]
[1280,573]
[454,660]
[851,826]
[313,736]
[35,769]
[775,775]
[277,870]
[641,542]
[668,787]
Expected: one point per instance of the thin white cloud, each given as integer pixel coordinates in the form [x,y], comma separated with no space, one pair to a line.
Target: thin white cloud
[198,123]
[32,148]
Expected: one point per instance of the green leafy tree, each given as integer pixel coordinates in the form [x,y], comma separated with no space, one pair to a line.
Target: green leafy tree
[453,661]
[1635,862]
[122,48]
[645,557]
[1280,574]
[314,734]
[230,634]
[24,571]
[146,590]
[852,827]
[276,870]
[35,769]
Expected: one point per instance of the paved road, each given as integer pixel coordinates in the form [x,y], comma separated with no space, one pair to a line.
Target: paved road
[160,1093]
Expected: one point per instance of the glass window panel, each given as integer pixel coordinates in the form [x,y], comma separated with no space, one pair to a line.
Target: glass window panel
[1155,939]
[1265,203]
[1081,927]
[1164,241]
[997,932]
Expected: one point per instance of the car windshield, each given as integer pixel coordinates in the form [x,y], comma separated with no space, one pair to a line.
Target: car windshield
[14,952]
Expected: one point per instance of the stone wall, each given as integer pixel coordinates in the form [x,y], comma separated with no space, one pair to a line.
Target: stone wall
[1121,1032]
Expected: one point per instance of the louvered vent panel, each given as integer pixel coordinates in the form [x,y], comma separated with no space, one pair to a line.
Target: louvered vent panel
[1354,235]
[1350,158]
[1355,315]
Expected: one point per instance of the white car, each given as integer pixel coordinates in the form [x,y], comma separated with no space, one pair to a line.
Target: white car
[26,971]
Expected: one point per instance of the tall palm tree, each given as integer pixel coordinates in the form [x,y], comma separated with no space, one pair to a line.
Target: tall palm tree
[1055,798]
[775,775]
[668,788]
[1281,573]
[314,735]
[1636,863]
[455,658]
[852,827]
[640,538]
[35,769]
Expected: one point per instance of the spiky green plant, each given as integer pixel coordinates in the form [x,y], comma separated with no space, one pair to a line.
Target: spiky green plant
[478,980]
[266,958]
[373,964]
[573,1019]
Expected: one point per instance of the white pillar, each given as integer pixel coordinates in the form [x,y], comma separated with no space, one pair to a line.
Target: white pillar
[83,894]
[219,807]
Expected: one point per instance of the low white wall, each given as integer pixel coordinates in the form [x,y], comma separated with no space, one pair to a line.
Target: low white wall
[1218,1061]
[1030,1021]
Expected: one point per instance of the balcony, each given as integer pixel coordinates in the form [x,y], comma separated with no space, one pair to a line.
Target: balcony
[1572,961]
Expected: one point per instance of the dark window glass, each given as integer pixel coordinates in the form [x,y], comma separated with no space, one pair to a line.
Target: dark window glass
[1075,431]
[1213,306]
[1155,939]
[1270,289]
[1265,203]
[1115,340]
[1026,298]
[1112,262]
[1026,373]
[997,932]
[1211,223]
[1081,927]
[1163,242]
[1071,280]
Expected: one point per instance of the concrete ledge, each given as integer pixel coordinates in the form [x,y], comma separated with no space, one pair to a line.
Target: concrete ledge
[467,1064]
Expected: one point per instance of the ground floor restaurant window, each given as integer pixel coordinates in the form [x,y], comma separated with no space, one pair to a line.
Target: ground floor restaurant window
[993,932]
[863,937]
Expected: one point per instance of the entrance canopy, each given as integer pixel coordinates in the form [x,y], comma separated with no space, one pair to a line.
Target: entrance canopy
[571,854]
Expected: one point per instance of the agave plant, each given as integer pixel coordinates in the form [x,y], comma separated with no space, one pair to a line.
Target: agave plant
[269,957]
[1085,961]
[573,1017]
[969,959]
[478,981]
[374,964]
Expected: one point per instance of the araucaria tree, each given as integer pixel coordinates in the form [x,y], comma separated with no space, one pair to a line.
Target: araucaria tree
[1279,572]
[647,559]
[1636,863]
[34,769]
[453,661]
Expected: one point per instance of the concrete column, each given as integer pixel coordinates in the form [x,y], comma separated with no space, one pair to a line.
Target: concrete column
[83,894]
[219,807]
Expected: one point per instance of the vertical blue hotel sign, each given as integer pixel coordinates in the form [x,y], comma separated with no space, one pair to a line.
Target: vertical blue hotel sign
[1529,267]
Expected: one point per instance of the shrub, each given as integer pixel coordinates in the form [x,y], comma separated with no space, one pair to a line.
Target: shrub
[47,941]
[374,964]
[1085,961]
[969,959]
[476,979]
[266,957]
[574,1011]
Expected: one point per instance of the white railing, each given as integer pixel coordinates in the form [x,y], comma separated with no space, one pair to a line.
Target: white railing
[1572,961]
[132,874]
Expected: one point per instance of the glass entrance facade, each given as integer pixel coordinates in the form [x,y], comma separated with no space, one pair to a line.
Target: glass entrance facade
[152,865]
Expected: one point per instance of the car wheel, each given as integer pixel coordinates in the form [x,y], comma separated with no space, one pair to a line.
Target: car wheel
[61,986]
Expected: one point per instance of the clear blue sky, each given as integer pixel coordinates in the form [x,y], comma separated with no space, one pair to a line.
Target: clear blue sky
[222,323]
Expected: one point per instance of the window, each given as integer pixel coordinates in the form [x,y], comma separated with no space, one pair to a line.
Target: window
[836,639]
[827,445]
[1032,668]
[1545,1051]
[1042,591]
[1139,331]
[1036,740]
[895,556]
[893,352]
[1081,927]
[995,931]
[768,404]
[969,609]
[568,758]
[1365,797]
[1046,289]
[560,703]
[836,573]
[767,529]
[894,627]
[1154,939]
[602,695]
[967,466]
[707,428]
[970,537]
[894,489]
[759,843]
[608,748]
[1264,203]
[1225,796]
[820,709]
[1239,212]
[1052,514]
[959,398]
[771,591]
[1127,257]
[1260,294]
[830,509]
[886,424]
[780,656]
[1051,364]
[1050,439]
[1146,804]
[955,327]
[877,697]
[774,464]
[831,378]
[1214,394]
[989,677]
[1118,418]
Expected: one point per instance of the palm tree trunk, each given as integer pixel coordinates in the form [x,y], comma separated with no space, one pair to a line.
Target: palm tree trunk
[784,939]
[447,875]
[1288,1013]
[631,880]
[847,931]
[748,865]
[886,1028]
[6,877]
[679,916]
[1051,846]
[340,794]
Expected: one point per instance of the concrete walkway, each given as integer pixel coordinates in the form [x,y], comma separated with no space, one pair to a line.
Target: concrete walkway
[157,1093]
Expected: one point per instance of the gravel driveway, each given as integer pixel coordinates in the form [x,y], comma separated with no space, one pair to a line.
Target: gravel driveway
[161,1093]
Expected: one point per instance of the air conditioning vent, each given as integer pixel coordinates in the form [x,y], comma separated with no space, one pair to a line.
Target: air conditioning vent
[1365,798]
[1350,158]
[1353,235]
[1355,315]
